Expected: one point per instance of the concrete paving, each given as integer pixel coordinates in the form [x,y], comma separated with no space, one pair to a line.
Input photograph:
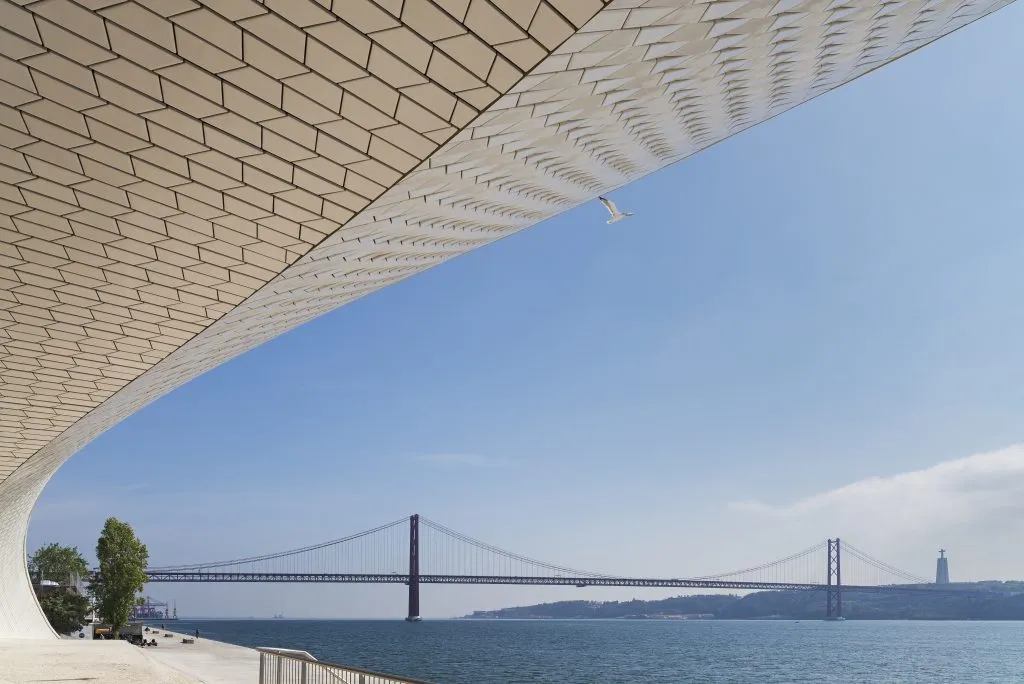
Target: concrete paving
[29,661]
[210,662]
[25,661]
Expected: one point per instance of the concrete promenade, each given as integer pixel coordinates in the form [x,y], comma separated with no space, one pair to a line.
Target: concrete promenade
[25,661]
[210,662]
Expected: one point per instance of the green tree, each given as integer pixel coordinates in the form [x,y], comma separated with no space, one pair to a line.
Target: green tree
[123,560]
[57,563]
[64,608]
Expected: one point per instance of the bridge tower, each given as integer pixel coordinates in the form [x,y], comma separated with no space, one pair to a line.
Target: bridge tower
[834,593]
[414,569]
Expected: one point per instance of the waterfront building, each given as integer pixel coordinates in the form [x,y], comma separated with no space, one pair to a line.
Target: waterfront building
[182,181]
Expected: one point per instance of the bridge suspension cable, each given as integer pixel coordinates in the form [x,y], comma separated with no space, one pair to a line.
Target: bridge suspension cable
[417,551]
[500,561]
[382,554]
[883,567]
[250,560]
[809,552]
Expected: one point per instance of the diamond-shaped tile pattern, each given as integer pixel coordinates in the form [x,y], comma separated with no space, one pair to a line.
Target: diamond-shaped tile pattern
[180,181]
[162,160]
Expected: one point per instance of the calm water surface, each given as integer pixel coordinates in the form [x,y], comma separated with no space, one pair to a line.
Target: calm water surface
[642,652]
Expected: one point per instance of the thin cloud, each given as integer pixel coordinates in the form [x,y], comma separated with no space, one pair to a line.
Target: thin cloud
[970,506]
[444,460]
[960,490]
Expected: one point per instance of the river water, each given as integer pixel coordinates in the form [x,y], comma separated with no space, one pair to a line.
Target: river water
[649,652]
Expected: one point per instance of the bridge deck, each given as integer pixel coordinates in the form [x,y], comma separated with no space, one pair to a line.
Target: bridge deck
[397,578]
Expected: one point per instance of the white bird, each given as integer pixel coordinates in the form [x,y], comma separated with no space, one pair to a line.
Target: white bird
[614,210]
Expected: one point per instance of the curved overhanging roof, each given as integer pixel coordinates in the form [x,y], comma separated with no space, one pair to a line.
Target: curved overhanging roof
[181,181]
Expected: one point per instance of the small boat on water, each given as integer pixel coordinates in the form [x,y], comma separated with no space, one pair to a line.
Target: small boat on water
[414,618]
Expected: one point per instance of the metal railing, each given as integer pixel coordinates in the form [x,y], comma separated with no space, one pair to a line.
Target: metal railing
[287,666]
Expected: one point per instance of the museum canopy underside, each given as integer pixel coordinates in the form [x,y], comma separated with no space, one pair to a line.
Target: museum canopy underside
[181,181]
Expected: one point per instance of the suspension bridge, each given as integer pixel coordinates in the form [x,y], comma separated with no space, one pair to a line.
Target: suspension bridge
[416,551]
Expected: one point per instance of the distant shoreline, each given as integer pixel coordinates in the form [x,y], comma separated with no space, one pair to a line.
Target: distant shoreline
[971,601]
[590,619]
[728,619]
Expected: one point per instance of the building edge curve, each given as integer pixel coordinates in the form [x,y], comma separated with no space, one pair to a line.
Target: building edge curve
[20,613]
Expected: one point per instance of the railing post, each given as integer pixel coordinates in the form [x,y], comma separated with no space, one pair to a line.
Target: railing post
[301,667]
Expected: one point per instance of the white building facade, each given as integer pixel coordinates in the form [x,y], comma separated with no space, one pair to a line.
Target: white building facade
[181,180]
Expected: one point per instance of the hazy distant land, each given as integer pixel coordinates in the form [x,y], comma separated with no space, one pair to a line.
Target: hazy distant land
[1000,601]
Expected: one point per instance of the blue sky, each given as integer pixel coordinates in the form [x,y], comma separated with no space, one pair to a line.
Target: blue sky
[830,297]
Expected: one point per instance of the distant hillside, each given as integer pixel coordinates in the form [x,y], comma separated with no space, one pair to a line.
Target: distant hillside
[1001,601]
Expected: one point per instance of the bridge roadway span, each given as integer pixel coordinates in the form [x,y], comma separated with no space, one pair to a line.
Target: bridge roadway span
[355,578]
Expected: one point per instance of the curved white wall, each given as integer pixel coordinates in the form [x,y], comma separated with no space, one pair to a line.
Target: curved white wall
[20,615]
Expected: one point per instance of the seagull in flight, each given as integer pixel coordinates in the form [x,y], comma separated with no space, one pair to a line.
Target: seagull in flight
[614,210]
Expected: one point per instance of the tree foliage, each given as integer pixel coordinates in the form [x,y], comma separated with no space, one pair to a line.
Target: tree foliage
[57,563]
[64,608]
[123,560]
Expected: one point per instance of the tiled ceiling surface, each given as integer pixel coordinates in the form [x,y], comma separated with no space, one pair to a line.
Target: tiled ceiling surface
[161,160]
[180,182]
